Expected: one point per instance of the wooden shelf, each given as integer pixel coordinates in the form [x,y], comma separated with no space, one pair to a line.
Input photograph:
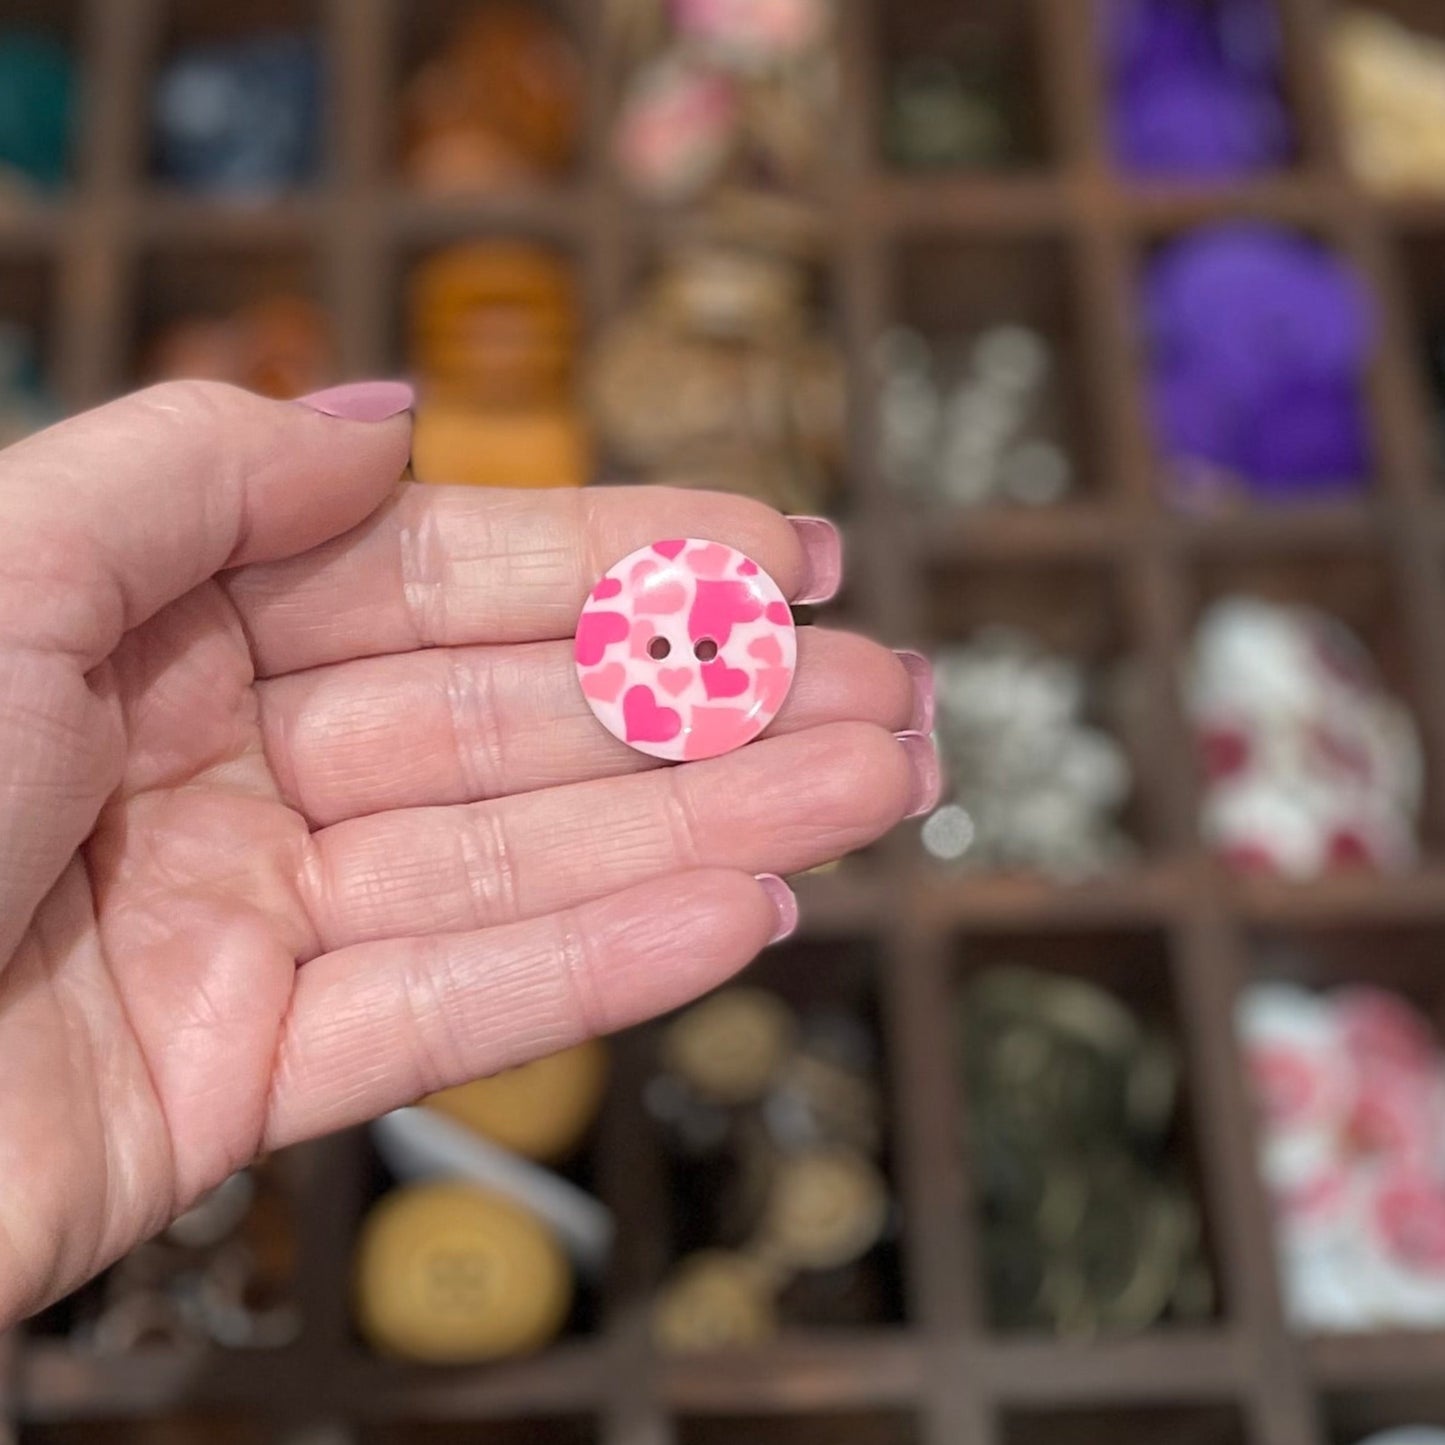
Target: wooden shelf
[1075,232]
[1290,198]
[1345,899]
[858,1371]
[957,902]
[1006,205]
[172,219]
[554,214]
[1415,213]
[27,228]
[1378,1361]
[1167,1365]
[1073,531]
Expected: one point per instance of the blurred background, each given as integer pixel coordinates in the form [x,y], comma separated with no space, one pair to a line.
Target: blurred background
[1107,1104]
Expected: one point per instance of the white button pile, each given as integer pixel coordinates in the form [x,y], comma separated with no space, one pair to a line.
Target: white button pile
[1038,786]
[973,423]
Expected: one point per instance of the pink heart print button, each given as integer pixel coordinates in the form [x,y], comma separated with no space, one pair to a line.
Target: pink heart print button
[686,649]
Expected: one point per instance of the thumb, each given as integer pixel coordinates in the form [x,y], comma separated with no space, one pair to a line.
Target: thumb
[109,516]
[106,518]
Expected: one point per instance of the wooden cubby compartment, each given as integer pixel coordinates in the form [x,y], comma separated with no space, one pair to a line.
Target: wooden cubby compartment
[822,974]
[927,28]
[421,31]
[1133,966]
[952,289]
[1155,238]
[206,282]
[51,20]
[1355,585]
[1115,576]
[1351,1415]
[580,1169]
[188,23]
[1404,958]
[453,229]
[1075,609]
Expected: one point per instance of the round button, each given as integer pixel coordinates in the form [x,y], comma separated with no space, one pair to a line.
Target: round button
[715,1300]
[731,1046]
[827,1208]
[686,649]
[540,1110]
[448,1273]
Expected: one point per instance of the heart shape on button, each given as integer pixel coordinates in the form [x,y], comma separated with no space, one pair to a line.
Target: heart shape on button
[766,650]
[647,721]
[597,629]
[720,680]
[605,683]
[720,609]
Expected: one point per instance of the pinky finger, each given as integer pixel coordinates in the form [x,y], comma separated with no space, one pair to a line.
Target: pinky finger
[377,1025]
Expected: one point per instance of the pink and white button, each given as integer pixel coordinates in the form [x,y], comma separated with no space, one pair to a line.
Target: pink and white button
[686,649]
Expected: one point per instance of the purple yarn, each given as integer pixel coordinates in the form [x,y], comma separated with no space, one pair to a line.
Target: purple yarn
[1259,343]
[1207,127]
[1195,417]
[1250,302]
[1196,89]
[1143,35]
[1251,39]
[1310,439]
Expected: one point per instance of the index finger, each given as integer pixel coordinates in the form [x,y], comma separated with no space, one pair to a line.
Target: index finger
[450,566]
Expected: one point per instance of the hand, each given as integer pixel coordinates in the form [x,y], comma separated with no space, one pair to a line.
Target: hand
[303,814]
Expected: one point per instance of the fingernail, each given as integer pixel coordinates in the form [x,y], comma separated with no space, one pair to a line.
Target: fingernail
[920,674]
[362,400]
[927,783]
[823,551]
[785,905]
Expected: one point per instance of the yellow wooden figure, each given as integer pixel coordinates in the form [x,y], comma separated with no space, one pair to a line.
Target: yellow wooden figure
[494,331]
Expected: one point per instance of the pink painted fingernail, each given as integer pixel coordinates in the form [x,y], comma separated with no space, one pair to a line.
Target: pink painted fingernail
[920,674]
[362,400]
[823,551]
[927,784]
[785,905]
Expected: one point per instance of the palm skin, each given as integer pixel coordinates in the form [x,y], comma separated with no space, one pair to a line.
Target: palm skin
[302,813]
[146,1000]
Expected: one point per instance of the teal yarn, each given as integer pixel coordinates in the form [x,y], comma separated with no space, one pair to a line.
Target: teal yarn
[37,84]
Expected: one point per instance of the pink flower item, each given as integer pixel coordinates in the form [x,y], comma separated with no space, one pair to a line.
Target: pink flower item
[753,34]
[677,128]
[686,649]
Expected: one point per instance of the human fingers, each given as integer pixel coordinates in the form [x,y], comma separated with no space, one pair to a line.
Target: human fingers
[448,566]
[779,805]
[379,1025]
[457,725]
